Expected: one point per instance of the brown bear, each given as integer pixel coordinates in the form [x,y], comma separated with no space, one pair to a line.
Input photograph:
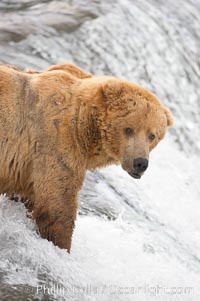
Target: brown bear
[56,124]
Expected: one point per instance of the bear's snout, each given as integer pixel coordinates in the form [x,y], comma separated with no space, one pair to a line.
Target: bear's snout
[140,165]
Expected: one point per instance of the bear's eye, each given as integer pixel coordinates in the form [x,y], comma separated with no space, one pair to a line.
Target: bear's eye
[152,137]
[129,131]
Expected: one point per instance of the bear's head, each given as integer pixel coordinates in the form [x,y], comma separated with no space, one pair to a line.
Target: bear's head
[134,124]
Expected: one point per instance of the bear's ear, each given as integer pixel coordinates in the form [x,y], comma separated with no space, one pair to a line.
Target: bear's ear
[169,117]
[112,91]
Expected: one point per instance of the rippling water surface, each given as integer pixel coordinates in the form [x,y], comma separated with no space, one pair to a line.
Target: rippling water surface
[129,233]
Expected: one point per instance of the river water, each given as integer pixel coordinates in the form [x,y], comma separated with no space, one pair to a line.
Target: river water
[134,240]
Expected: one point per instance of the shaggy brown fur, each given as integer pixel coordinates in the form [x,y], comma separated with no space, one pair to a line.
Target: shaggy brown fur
[56,124]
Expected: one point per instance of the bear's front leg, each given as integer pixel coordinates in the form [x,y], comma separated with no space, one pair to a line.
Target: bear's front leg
[55,203]
[56,223]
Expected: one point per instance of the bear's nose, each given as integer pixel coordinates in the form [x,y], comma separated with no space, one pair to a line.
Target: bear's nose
[140,165]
